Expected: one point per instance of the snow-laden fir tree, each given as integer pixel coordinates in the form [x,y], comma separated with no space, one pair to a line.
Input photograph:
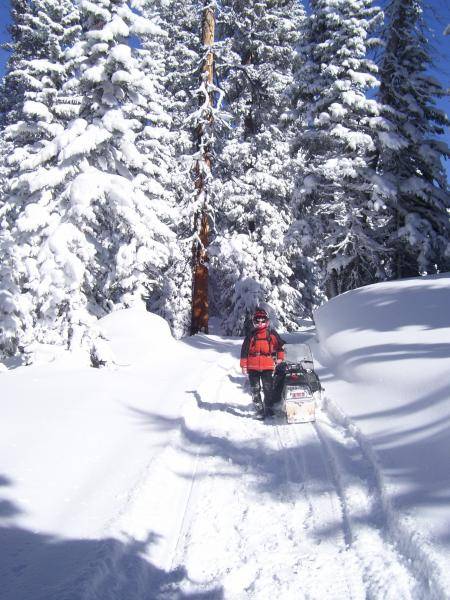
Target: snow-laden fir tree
[338,131]
[414,185]
[40,31]
[5,151]
[86,203]
[205,121]
[194,122]
[36,70]
[172,62]
[254,174]
[12,312]
[181,55]
[21,48]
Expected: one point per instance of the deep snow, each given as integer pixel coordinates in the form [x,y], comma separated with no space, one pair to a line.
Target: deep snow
[388,354]
[150,478]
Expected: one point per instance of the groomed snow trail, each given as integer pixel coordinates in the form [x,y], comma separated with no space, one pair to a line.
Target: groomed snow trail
[233,508]
[278,511]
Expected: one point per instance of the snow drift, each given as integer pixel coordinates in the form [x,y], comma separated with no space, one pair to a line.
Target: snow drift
[385,354]
[150,479]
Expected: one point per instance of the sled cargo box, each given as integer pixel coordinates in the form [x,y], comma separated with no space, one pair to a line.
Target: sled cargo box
[300,411]
[301,387]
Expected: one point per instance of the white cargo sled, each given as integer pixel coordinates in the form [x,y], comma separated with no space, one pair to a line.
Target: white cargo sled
[299,384]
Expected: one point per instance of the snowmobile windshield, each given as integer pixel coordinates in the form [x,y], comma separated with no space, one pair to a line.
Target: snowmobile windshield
[299,353]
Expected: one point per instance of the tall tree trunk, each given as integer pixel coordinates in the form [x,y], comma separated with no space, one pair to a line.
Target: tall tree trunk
[200,305]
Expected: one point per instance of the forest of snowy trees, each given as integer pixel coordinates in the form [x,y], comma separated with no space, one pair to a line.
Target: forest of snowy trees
[207,157]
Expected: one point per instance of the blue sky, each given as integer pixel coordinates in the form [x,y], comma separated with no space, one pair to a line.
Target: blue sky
[438,16]
[4,20]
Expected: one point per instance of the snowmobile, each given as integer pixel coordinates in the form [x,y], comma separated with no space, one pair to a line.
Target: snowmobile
[296,385]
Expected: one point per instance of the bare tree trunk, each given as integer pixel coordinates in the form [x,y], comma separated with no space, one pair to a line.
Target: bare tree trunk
[200,305]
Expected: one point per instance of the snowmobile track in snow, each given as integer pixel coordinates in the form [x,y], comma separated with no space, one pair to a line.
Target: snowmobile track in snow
[306,461]
[386,570]
[190,499]
[393,565]
[269,509]
[327,510]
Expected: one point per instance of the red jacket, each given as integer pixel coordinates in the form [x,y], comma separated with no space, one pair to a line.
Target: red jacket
[260,349]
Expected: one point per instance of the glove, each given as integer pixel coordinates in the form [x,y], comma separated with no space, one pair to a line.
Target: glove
[244,371]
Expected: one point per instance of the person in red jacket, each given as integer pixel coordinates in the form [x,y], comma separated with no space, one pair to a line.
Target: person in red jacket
[261,350]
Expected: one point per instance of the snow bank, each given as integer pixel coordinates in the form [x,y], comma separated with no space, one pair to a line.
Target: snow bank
[373,331]
[75,447]
[137,337]
[385,357]
[112,479]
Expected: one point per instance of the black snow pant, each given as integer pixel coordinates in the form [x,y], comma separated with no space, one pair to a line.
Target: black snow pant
[278,382]
[257,378]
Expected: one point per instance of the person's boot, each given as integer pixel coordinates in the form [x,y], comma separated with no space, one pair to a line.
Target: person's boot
[269,412]
[259,408]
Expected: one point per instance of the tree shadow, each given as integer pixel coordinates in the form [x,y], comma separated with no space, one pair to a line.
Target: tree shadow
[36,566]
[348,363]
[437,397]
[265,466]
[201,341]
[237,410]
[280,474]
[411,453]
[277,473]
[419,481]
[14,362]
[405,456]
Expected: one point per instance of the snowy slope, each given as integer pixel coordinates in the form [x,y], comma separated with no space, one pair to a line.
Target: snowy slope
[385,353]
[76,446]
[150,478]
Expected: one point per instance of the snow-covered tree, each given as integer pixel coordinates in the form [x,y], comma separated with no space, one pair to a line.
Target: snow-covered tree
[252,256]
[11,90]
[5,150]
[173,62]
[338,131]
[414,185]
[85,206]
[36,71]
[181,54]
[40,32]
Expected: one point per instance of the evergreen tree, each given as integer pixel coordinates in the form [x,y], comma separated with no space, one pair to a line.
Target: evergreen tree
[205,120]
[40,32]
[185,92]
[11,90]
[339,129]
[414,181]
[172,61]
[12,313]
[252,256]
[85,205]
[36,72]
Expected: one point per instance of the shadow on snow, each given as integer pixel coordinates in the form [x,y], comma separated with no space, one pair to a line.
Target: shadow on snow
[36,566]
